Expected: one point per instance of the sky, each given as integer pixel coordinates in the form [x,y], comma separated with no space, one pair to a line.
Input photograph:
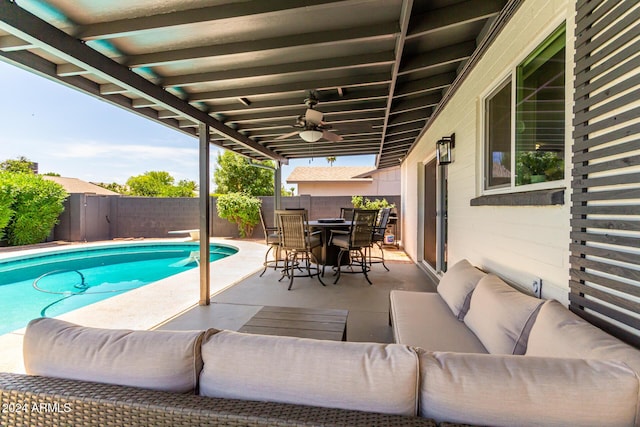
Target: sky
[75,135]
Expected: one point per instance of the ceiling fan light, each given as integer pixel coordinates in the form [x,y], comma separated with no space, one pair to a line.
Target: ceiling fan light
[311,135]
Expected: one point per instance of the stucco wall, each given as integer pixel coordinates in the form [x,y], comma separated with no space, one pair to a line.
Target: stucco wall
[518,243]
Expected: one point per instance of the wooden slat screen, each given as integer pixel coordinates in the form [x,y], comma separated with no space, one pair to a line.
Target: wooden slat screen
[605,223]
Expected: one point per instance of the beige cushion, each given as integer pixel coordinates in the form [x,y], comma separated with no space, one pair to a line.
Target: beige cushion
[349,375]
[500,316]
[456,285]
[159,360]
[558,332]
[512,390]
[423,319]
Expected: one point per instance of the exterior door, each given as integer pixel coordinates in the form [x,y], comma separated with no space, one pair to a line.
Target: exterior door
[430,214]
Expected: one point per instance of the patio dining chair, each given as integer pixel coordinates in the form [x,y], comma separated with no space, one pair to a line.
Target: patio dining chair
[298,244]
[272,240]
[355,241]
[378,237]
[346,213]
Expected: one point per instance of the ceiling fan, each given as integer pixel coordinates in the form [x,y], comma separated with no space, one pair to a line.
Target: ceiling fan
[312,128]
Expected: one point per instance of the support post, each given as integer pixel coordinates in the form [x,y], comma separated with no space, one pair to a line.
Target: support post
[277,195]
[205,215]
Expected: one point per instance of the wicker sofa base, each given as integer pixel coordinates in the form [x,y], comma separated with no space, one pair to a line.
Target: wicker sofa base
[43,401]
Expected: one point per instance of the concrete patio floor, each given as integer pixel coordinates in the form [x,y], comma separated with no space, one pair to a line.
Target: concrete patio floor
[237,294]
[368,305]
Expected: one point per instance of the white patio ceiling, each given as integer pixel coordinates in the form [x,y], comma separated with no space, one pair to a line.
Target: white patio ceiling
[246,67]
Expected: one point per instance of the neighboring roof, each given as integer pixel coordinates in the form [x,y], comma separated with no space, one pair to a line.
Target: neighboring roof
[329,173]
[75,185]
[381,69]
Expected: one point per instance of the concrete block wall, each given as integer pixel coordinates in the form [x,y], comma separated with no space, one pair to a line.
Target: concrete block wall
[91,218]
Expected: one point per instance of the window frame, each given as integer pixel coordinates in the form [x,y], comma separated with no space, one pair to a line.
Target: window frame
[510,76]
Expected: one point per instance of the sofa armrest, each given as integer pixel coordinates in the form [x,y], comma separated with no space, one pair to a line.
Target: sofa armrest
[27,399]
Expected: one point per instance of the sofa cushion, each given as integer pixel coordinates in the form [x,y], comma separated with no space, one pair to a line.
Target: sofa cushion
[158,360]
[500,316]
[558,332]
[423,319]
[507,390]
[457,284]
[362,376]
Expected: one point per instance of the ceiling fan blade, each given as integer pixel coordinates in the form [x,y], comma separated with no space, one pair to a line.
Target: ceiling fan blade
[313,116]
[288,135]
[330,136]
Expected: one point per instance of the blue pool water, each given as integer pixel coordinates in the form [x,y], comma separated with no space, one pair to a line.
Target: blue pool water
[70,279]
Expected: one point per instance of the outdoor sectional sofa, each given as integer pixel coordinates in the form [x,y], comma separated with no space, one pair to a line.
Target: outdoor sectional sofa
[90,376]
[508,358]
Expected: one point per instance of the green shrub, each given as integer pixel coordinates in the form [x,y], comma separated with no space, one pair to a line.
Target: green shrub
[37,204]
[538,166]
[242,209]
[6,202]
[359,202]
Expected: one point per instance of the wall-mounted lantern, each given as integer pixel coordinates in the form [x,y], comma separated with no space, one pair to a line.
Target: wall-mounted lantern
[444,149]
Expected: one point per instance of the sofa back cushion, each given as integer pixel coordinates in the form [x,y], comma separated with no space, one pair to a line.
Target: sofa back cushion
[558,332]
[456,286]
[507,390]
[362,376]
[158,360]
[500,316]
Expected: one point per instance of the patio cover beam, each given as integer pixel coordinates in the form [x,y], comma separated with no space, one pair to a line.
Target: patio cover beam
[348,62]
[405,16]
[122,27]
[330,97]
[318,84]
[34,30]
[310,40]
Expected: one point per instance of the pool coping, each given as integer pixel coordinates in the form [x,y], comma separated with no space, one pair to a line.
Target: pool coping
[149,306]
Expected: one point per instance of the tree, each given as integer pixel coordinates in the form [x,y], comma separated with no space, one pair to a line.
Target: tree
[236,175]
[19,165]
[160,184]
[287,193]
[114,186]
[330,160]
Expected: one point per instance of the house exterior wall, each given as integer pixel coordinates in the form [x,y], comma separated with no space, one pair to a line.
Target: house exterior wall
[517,243]
[384,183]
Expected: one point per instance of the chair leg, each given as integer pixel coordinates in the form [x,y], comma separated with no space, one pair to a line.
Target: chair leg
[382,255]
[340,254]
[285,270]
[364,266]
[292,274]
[266,257]
[318,268]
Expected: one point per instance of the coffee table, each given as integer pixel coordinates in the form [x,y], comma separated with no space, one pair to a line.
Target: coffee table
[324,324]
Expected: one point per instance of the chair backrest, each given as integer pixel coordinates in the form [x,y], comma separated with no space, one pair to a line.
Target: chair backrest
[264,225]
[346,213]
[364,222]
[293,227]
[383,218]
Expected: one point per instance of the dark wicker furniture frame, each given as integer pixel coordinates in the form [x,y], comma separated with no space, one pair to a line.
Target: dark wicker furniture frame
[42,401]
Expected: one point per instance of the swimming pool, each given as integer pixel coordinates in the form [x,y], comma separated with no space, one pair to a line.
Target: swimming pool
[53,283]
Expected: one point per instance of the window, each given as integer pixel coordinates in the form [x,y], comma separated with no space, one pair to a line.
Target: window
[533,152]
[498,147]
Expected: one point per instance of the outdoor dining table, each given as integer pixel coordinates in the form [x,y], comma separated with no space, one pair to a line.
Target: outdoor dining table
[326,254]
